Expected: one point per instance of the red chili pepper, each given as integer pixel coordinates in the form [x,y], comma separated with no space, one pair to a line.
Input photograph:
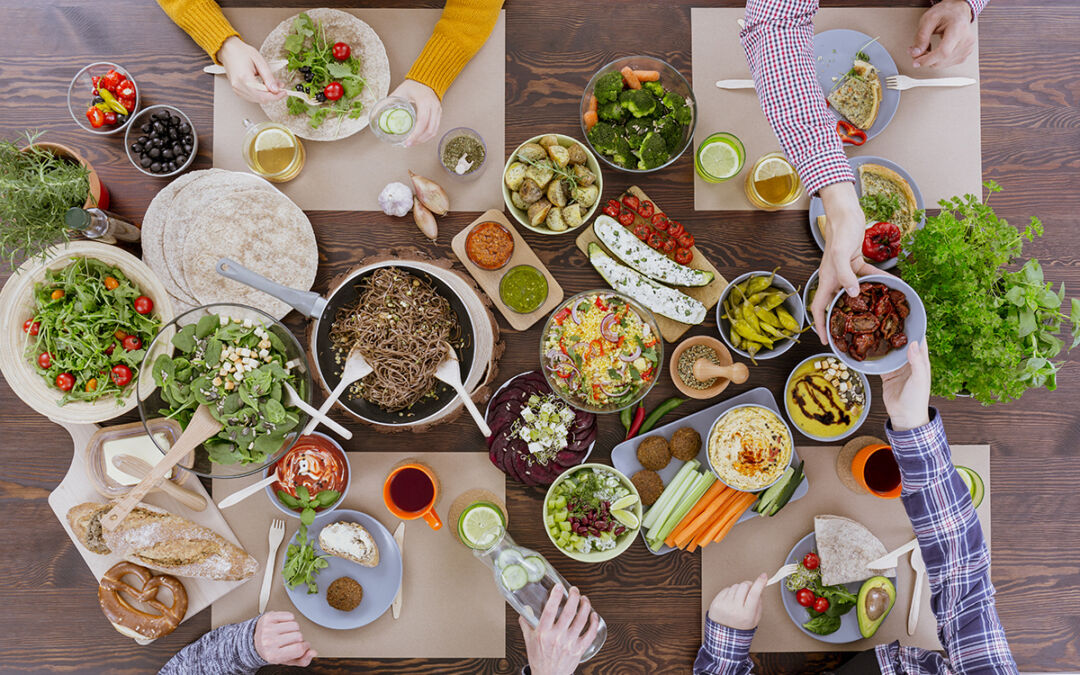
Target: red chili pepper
[881,242]
[597,348]
[631,201]
[646,209]
[849,133]
[626,218]
[600,304]
[660,221]
[635,424]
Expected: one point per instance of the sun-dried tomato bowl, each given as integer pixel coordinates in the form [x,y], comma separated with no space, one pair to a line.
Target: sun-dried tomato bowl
[913,327]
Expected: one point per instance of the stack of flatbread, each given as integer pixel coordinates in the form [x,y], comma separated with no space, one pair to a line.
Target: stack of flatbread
[204,216]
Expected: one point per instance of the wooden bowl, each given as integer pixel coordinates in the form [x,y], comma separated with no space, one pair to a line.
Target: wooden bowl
[722,354]
[98,197]
[16,305]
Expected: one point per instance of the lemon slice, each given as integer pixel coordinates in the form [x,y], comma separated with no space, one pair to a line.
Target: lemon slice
[624,503]
[480,525]
[625,517]
[719,160]
[272,139]
[772,168]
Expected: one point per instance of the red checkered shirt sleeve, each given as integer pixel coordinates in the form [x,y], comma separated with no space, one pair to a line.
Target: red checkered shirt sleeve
[726,651]
[977,7]
[779,44]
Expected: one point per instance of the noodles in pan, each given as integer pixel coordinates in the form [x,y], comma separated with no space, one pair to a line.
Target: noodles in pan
[399,323]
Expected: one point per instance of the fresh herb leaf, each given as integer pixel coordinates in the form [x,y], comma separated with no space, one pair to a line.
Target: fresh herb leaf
[879,207]
[823,624]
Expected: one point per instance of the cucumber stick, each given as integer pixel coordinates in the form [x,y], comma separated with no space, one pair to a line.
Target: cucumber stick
[659,298]
[685,473]
[701,486]
[650,262]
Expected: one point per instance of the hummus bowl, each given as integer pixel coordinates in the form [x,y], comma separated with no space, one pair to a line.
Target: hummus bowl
[749,447]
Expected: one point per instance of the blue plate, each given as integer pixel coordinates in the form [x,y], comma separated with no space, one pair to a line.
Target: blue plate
[380,583]
[834,52]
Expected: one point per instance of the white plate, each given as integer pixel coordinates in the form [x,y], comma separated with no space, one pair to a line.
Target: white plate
[834,52]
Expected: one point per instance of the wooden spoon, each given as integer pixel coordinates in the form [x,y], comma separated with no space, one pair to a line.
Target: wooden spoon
[449,371]
[356,368]
[704,369]
[202,426]
[140,468]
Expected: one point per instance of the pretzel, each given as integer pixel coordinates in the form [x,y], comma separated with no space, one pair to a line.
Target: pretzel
[127,618]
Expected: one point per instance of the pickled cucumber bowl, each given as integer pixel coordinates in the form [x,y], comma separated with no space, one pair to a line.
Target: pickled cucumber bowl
[592,513]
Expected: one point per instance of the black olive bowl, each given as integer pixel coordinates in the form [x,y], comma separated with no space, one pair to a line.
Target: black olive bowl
[164,115]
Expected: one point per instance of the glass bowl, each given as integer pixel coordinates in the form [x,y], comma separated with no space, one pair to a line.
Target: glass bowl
[80,93]
[135,131]
[456,132]
[151,402]
[548,354]
[672,80]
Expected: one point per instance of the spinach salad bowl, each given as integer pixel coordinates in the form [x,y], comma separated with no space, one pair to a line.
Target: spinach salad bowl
[236,360]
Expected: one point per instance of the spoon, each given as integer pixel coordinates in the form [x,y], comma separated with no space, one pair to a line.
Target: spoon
[241,495]
[356,368]
[449,371]
[704,369]
[292,398]
[139,467]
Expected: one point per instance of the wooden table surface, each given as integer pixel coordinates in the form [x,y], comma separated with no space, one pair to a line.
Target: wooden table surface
[1031,145]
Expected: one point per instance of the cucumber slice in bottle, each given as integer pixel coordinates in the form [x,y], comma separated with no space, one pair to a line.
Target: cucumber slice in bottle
[507,558]
[535,567]
[514,577]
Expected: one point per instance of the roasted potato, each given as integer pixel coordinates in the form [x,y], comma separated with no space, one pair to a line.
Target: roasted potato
[583,175]
[538,212]
[532,152]
[572,215]
[587,196]
[577,154]
[549,140]
[530,191]
[557,193]
[541,174]
[517,201]
[554,220]
[515,174]
[559,155]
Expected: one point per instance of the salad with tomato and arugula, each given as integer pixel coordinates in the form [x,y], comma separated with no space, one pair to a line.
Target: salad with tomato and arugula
[824,604]
[599,353]
[329,71]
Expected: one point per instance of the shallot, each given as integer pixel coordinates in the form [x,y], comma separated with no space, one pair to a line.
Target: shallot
[424,220]
[430,194]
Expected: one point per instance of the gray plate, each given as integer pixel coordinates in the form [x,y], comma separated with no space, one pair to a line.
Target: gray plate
[849,623]
[624,455]
[380,583]
[834,52]
[817,209]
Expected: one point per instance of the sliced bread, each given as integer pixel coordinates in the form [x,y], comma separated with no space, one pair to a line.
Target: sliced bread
[350,541]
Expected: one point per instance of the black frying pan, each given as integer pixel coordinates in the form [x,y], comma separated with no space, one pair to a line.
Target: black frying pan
[325,310]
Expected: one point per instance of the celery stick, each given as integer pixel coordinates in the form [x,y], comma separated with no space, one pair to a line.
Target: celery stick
[687,503]
[662,517]
[669,492]
[652,537]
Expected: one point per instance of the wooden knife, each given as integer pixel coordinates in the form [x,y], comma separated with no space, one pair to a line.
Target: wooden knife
[399,537]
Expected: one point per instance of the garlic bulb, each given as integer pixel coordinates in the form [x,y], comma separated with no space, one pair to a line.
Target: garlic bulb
[396,199]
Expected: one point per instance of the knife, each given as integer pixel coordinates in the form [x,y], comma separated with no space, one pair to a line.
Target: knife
[399,537]
[889,560]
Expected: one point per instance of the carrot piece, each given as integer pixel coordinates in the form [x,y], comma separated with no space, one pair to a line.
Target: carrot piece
[735,515]
[706,516]
[630,77]
[593,103]
[591,119]
[647,75]
[710,495]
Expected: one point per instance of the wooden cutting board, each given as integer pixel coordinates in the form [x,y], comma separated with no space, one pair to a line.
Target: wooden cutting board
[708,295]
[76,489]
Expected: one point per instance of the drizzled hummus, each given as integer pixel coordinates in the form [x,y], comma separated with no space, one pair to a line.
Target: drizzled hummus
[749,448]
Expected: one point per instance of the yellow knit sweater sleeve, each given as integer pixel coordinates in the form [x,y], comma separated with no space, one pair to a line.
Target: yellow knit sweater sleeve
[202,20]
[459,34]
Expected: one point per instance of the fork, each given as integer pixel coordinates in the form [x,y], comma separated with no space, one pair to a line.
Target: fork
[277,534]
[783,573]
[902,82]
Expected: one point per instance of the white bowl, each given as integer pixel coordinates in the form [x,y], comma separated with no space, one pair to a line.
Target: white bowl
[592,164]
[791,439]
[914,328]
[793,304]
[858,422]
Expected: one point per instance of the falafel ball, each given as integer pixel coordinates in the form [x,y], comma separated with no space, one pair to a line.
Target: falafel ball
[654,453]
[685,444]
[649,485]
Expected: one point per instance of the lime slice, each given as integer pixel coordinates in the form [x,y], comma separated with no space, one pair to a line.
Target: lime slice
[480,525]
[974,484]
[624,503]
[719,160]
[627,518]
[272,139]
[771,168]
[397,121]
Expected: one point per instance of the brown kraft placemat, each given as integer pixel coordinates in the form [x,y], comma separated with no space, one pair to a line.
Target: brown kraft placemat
[347,175]
[762,544]
[935,134]
[450,605]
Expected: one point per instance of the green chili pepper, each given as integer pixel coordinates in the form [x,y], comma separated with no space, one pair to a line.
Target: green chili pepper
[744,329]
[625,416]
[658,412]
[768,317]
[786,320]
[775,299]
[111,101]
[774,332]
[749,316]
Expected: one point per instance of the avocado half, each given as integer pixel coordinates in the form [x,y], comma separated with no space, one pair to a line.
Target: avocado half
[876,599]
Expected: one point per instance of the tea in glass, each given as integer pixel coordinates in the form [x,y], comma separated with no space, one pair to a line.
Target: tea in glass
[273,151]
[772,183]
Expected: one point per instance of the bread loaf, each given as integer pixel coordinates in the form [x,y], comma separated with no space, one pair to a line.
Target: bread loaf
[163,542]
[350,541]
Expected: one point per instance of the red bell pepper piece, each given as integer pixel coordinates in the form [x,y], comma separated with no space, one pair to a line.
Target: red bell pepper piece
[849,133]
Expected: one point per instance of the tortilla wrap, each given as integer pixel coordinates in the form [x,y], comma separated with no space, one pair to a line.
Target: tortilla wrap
[846,548]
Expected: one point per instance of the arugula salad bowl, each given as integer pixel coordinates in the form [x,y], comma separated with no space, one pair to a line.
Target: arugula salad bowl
[236,360]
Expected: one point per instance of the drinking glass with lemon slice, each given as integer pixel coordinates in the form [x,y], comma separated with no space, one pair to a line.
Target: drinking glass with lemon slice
[719,157]
[272,151]
[772,183]
[392,120]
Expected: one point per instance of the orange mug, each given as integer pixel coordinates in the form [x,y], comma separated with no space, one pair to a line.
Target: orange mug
[878,461]
[410,491]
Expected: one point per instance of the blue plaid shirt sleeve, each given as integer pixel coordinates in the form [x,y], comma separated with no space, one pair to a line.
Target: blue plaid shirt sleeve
[957,561]
[726,651]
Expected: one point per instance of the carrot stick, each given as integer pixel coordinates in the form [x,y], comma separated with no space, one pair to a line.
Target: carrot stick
[593,103]
[708,513]
[631,78]
[710,495]
[732,511]
[647,75]
[590,119]
[720,528]
[731,523]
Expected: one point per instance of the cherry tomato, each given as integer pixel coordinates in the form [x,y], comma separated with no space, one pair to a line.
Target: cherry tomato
[65,381]
[120,375]
[821,604]
[111,283]
[686,240]
[612,211]
[110,80]
[32,327]
[642,231]
[341,51]
[44,360]
[119,334]
[660,221]
[96,117]
[631,202]
[333,91]
[627,218]
[670,245]
[131,343]
[683,256]
[805,597]
[92,384]
[57,294]
[811,561]
[128,102]
[656,241]
[676,229]
[646,209]
[143,305]
[110,117]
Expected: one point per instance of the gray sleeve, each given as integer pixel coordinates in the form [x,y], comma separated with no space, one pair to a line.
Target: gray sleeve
[229,650]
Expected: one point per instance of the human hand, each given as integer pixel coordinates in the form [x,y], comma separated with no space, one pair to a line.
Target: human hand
[906,392]
[842,263]
[739,606]
[244,65]
[428,110]
[278,640]
[952,19]
[555,647]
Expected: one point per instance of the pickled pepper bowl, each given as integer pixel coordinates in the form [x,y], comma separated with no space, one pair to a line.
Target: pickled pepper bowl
[793,304]
[80,92]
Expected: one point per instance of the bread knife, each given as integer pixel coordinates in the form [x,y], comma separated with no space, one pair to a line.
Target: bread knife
[399,537]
